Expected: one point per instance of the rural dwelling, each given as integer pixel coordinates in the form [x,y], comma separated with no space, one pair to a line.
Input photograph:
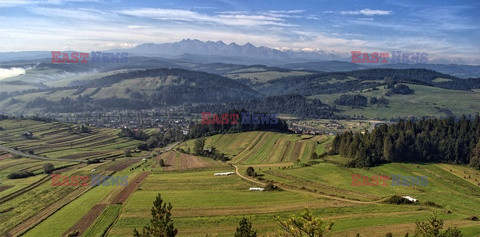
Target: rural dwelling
[224,174]
[257,189]
[410,198]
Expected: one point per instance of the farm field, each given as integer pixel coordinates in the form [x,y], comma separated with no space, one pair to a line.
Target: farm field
[263,147]
[207,204]
[325,188]
[261,75]
[426,101]
[24,202]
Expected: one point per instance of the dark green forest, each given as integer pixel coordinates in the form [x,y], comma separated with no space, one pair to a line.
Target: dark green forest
[426,140]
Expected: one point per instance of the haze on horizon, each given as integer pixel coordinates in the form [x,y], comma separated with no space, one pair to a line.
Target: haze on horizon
[443,29]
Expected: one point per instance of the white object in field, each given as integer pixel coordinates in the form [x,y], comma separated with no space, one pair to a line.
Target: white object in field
[257,189]
[93,170]
[410,198]
[224,173]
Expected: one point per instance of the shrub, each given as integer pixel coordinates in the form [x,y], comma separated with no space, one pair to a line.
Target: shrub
[271,187]
[251,171]
[20,174]
[74,233]
[397,200]
[48,168]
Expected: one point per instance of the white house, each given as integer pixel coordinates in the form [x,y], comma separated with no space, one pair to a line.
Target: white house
[257,189]
[224,173]
[410,198]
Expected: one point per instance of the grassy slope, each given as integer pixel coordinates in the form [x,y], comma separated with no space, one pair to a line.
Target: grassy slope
[262,147]
[421,103]
[204,203]
[219,205]
[52,140]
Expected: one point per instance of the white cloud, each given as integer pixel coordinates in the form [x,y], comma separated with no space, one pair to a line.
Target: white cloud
[16,3]
[11,72]
[137,27]
[83,14]
[367,12]
[223,18]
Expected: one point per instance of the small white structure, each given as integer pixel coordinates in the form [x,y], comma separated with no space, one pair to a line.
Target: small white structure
[144,159]
[257,189]
[93,170]
[224,174]
[410,198]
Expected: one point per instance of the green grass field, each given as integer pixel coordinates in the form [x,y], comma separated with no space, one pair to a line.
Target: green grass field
[263,147]
[207,204]
[424,102]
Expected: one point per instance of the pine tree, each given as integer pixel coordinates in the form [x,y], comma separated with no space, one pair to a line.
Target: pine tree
[245,229]
[475,160]
[388,149]
[161,224]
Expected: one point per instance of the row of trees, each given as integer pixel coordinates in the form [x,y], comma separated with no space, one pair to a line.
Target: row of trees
[305,224]
[427,140]
[200,130]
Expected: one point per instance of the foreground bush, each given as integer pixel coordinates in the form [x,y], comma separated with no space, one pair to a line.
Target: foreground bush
[20,175]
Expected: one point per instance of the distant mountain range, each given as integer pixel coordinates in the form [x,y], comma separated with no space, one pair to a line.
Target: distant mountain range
[210,51]
[200,52]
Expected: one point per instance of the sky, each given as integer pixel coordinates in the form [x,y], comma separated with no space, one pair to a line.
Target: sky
[443,29]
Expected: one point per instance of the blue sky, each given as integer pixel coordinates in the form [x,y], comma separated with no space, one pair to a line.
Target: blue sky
[443,29]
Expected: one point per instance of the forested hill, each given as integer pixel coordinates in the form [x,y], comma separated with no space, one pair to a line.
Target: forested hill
[342,82]
[432,140]
[144,89]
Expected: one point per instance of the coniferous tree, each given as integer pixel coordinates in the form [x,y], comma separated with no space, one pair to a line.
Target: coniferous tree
[245,229]
[161,224]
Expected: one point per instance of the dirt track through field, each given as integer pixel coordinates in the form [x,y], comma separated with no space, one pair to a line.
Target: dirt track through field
[293,189]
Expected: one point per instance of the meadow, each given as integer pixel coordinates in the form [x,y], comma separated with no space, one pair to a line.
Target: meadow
[207,204]
[426,101]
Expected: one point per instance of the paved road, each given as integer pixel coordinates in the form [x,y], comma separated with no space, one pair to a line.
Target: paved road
[20,153]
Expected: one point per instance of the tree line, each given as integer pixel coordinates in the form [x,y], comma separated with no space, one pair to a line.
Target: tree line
[426,140]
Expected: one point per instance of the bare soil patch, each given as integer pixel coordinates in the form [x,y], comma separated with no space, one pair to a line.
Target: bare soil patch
[123,195]
[3,188]
[83,155]
[119,166]
[87,219]
[5,156]
[184,162]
